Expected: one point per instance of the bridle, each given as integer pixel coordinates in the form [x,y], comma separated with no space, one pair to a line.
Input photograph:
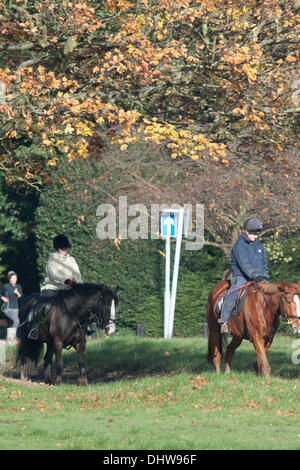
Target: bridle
[99,312]
[283,302]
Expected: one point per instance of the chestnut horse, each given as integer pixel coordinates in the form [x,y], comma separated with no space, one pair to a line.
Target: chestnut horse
[257,322]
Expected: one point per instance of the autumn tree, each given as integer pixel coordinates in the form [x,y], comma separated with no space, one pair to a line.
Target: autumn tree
[266,189]
[263,189]
[191,75]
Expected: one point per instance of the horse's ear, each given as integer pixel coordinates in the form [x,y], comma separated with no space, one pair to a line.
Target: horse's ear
[281,286]
[298,283]
[118,287]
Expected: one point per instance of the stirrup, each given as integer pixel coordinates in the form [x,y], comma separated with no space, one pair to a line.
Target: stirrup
[33,334]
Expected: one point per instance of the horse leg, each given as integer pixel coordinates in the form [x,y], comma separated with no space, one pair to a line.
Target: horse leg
[48,364]
[266,346]
[263,365]
[214,346]
[25,369]
[80,349]
[58,347]
[235,342]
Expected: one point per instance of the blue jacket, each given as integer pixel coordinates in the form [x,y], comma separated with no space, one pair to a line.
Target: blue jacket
[248,259]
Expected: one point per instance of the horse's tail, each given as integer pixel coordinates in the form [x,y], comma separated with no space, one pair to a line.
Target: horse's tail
[213,329]
[209,348]
[209,352]
[27,348]
[208,317]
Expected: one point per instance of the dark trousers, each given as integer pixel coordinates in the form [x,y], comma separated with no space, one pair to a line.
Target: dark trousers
[231,298]
[43,298]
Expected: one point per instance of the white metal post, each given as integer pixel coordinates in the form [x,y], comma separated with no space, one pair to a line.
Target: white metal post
[167,288]
[2,352]
[112,326]
[175,271]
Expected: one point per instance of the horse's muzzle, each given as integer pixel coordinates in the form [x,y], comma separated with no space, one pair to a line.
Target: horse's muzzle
[295,328]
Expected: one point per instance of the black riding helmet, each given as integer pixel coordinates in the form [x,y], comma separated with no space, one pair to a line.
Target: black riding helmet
[253,225]
[61,242]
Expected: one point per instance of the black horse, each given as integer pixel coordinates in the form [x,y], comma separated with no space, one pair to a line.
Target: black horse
[64,325]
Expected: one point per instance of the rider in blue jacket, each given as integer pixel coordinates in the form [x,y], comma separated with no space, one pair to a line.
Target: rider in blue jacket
[248,263]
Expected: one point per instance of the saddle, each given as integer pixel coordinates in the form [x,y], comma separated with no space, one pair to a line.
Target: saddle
[239,303]
[47,304]
[44,309]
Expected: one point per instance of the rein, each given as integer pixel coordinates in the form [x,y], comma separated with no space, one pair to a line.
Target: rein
[283,300]
[84,324]
[236,288]
[270,329]
[90,313]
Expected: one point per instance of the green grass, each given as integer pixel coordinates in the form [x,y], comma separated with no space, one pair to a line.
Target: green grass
[156,394]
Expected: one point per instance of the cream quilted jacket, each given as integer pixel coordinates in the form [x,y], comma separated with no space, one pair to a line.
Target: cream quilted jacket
[59,268]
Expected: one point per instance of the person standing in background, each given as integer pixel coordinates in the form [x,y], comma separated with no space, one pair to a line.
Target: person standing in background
[10,293]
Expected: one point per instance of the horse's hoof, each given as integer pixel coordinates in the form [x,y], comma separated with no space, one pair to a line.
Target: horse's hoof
[82,382]
[25,379]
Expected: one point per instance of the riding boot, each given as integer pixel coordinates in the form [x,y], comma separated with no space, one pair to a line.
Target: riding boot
[226,310]
[228,306]
[33,333]
[225,328]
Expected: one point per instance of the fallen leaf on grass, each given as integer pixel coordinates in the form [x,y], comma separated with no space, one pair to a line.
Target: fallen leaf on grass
[252,404]
[213,408]
[198,381]
[292,412]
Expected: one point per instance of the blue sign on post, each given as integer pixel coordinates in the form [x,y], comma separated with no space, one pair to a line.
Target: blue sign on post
[168,225]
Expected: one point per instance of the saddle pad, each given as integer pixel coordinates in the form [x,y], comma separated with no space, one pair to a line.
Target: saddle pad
[240,302]
[239,305]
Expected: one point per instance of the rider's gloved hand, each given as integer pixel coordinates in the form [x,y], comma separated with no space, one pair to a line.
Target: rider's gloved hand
[259,279]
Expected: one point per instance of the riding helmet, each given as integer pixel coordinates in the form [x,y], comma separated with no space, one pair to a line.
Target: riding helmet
[61,242]
[253,225]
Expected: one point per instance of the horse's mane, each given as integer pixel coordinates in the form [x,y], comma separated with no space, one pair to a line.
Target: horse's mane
[85,289]
[294,286]
[272,288]
[82,288]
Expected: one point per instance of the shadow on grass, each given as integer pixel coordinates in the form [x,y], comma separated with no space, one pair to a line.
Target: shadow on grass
[127,359]
[114,359]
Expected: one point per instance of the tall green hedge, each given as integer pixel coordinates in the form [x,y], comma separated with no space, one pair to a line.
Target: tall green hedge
[17,241]
[136,266]
[69,206]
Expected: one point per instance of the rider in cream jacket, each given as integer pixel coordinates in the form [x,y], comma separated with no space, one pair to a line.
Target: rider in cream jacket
[59,268]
